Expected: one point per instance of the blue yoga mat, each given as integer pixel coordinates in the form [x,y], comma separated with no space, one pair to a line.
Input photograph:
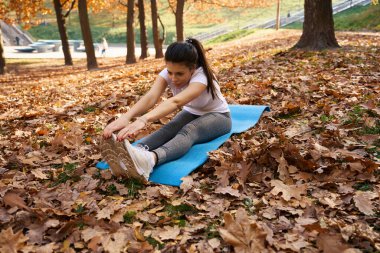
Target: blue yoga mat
[170,173]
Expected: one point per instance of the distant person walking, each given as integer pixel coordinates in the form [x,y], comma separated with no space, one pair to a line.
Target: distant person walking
[17,39]
[104,47]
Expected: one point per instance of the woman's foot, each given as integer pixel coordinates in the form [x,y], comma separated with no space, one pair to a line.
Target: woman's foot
[138,161]
[126,160]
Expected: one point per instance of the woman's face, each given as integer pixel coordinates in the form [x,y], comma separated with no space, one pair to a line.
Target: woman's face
[179,73]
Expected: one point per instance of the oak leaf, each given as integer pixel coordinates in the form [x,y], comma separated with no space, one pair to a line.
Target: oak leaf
[243,234]
[228,190]
[12,199]
[169,233]
[331,243]
[10,242]
[363,202]
[288,191]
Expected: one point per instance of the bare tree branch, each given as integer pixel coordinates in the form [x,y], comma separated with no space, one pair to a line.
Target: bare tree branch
[122,3]
[163,28]
[70,9]
[171,7]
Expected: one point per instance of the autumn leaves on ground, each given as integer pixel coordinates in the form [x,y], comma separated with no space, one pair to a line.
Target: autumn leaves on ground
[305,178]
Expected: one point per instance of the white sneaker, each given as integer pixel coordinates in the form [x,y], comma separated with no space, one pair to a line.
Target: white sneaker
[143,159]
[126,160]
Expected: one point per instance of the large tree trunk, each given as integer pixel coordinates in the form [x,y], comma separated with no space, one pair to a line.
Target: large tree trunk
[62,32]
[143,36]
[179,20]
[131,56]
[2,59]
[156,34]
[86,34]
[318,26]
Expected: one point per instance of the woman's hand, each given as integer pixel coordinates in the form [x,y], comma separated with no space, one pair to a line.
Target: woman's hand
[132,129]
[116,125]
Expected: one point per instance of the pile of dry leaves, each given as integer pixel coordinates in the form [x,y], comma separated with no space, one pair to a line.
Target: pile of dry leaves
[306,178]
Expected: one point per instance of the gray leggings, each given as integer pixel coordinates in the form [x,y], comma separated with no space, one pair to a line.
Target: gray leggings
[174,139]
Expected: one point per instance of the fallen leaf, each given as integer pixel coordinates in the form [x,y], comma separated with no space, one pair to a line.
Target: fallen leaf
[13,199]
[228,190]
[363,203]
[38,173]
[10,242]
[288,191]
[169,233]
[243,234]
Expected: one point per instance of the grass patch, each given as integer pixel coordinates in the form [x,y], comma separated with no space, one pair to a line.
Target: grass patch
[363,186]
[231,36]
[66,174]
[154,243]
[372,130]
[133,186]
[179,210]
[129,217]
[90,109]
[212,231]
[111,190]
[326,118]
[355,116]
[359,18]
[79,209]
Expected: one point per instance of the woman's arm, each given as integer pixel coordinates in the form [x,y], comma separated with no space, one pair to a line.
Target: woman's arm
[166,107]
[142,106]
[149,99]
[193,91]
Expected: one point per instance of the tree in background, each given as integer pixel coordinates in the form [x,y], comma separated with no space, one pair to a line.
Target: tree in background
[59,5]
[177,7]
[156,34]
[2,59]
[3,12]
[143,35]
[131,56]
[318,26]
[86,34]
[21,11]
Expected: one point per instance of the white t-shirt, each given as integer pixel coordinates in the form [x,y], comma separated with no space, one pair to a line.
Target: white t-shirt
[204,103]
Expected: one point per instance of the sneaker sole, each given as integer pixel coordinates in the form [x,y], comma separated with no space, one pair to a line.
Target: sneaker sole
[125,157]
[110,155]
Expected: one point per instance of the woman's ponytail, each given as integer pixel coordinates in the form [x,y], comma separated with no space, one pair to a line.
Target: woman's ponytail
[202,62]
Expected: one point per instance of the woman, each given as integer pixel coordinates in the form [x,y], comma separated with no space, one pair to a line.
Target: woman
[204,117]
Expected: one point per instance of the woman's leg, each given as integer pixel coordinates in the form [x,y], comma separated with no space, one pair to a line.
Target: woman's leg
[203,129]
[168,131]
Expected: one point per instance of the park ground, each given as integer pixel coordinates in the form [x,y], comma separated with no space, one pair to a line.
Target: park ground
[305,178]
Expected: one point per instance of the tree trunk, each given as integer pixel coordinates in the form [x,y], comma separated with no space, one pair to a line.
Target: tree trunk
[278,19]
[318,26]
[86,34]
[2,59]
[179,20]
[131,56]
[62,32]
[156,34]
[143,36]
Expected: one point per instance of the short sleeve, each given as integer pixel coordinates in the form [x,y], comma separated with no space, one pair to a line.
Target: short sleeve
[199,77]
[164,74]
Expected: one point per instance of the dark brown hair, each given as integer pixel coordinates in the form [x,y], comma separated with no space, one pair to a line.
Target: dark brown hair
[192,54]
